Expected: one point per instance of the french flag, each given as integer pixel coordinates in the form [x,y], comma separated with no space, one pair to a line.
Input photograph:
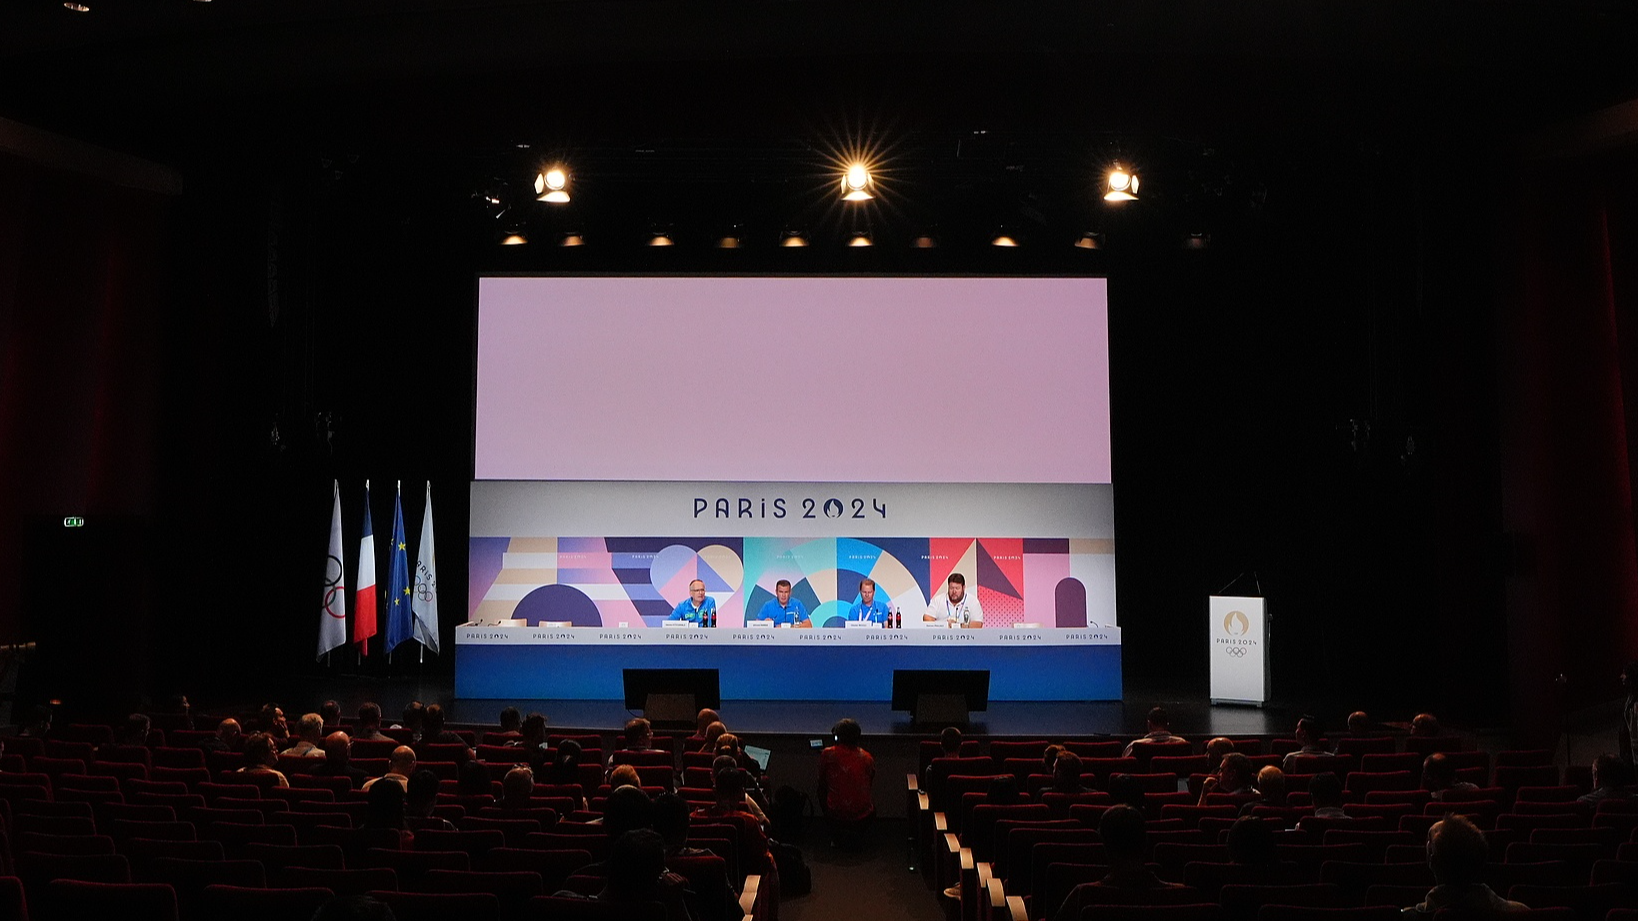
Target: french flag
[364,609]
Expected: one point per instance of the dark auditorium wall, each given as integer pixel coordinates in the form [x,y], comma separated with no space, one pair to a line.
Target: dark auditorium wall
[84,270]
[1570,388]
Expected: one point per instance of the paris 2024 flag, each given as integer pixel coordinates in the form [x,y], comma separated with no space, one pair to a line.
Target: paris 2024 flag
[333,613]
[425,605]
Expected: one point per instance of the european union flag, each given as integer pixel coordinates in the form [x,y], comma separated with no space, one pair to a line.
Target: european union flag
[400,619]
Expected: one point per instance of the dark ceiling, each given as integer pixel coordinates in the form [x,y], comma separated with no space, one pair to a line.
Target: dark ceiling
[964,100]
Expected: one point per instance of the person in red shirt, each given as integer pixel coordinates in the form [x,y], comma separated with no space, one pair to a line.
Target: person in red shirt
[846,773]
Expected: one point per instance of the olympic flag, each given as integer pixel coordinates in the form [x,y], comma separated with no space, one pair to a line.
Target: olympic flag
[333,614]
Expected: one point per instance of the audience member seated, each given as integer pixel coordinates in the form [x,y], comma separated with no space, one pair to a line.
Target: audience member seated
[1049,757]
[1312,740]
[309,731]
[730,785]
[637,875]
[1066,775]
[1426,725]
[400,765]
[1360,725]
[261,754]
[625,775]
[228,738]
[134,731]
[38,725]
[716,900]
[330,712]
[1234,775]
[338,759]
[1612,780]
[1122,829]
[751,805]
[708,742]
[1439,777]
[511,723]
[271,721]
[846,775]
[1457,853]
[1158,723]
[420,798]
[1251,842]
[702,722]
[1215,750]
[1127,790]
[368,727]
[949,746]
[1326,792]
[384,809]
[516,788]
[411,719]
[637,736]
[1270,785]
[472,780]
[434,733]
[730,745]
[532,733]
[564,768]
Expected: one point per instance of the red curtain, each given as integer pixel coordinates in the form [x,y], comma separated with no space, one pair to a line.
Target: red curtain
[1569,397]
[82,267]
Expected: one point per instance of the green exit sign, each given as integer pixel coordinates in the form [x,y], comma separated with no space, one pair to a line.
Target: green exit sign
[73,521]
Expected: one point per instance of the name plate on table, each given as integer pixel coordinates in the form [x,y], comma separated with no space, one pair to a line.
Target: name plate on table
[759,624]
[678,624]
[863,625]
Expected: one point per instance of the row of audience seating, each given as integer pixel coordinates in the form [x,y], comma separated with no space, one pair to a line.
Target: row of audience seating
[181,843]
[1018,861]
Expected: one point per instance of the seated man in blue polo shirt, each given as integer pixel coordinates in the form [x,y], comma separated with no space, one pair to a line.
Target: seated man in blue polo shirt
[784,609]
[868,608]
[696,608]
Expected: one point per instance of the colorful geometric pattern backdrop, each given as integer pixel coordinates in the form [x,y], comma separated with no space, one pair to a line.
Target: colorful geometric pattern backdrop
[637,581]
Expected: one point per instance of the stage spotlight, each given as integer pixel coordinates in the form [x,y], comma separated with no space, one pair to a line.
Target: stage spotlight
[793,238]
[1120,185]
[514,238]
[857,184]
[924,241]
[859,238]
[572,239]
[1091,239]
[1003,237]
[661,238]
[552,185]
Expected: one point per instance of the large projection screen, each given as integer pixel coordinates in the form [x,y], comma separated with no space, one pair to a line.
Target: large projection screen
[636,434]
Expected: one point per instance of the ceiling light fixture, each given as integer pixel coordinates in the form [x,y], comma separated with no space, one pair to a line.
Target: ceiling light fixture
[1091,239]
[859,238]
[552,185]
[1003,238]
[857,183]
[1120,185]
[793,239]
